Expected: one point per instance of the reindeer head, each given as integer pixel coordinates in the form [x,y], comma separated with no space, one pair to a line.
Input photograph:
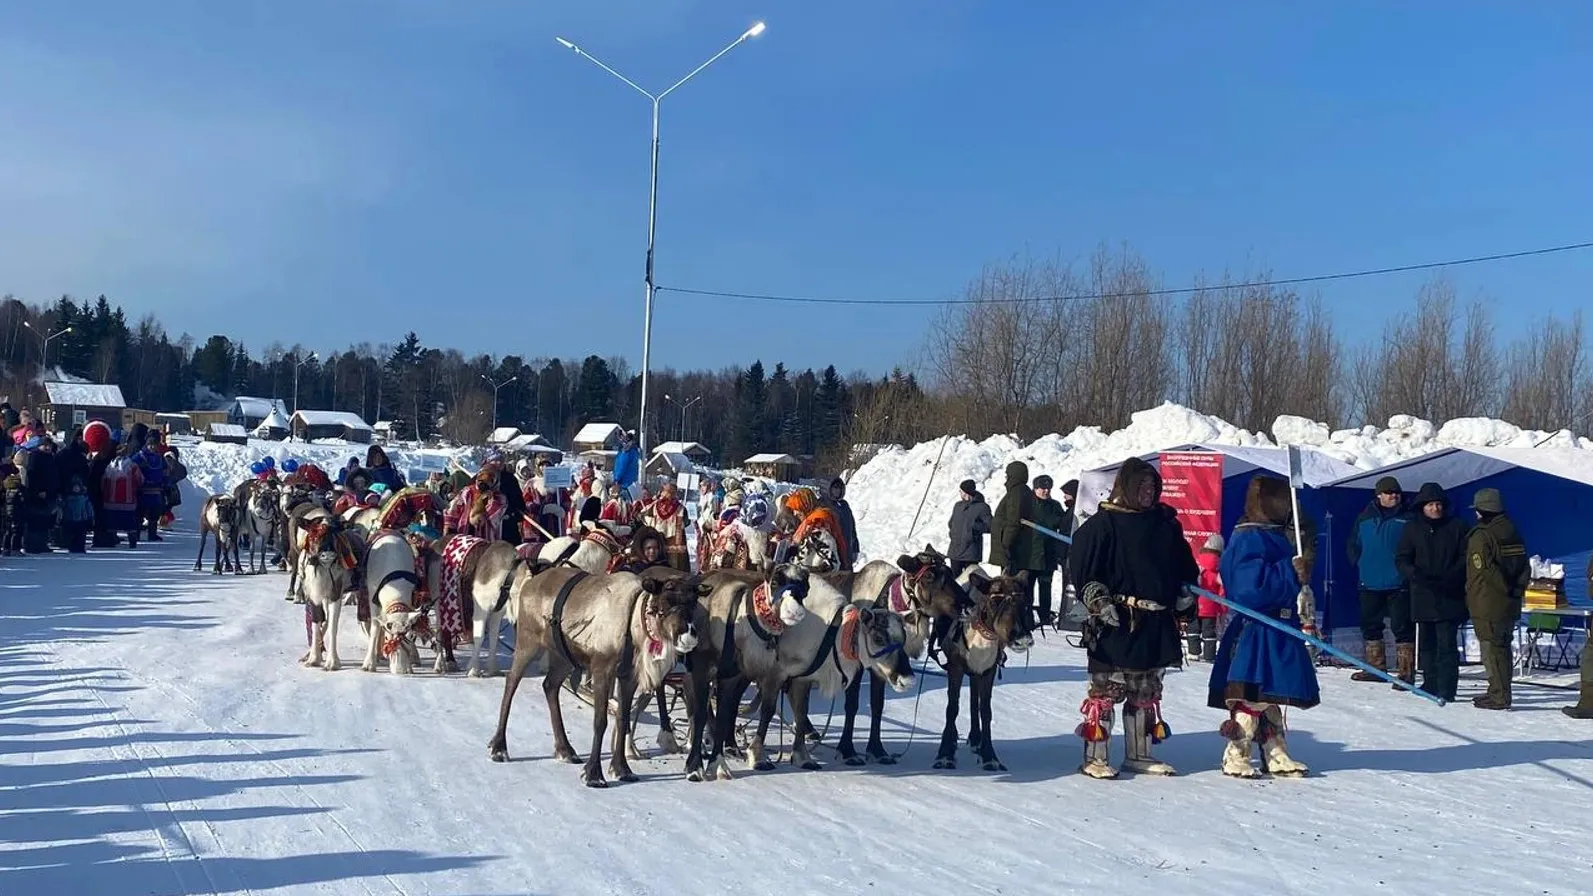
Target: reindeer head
[880,642]
[226,511]
[264,500]
[399,625]
[930,584]
[818,552]
[1001,615]
[670,614]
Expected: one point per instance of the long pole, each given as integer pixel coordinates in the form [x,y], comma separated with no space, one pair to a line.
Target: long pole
[647,312]
[1311,640]
[649,287]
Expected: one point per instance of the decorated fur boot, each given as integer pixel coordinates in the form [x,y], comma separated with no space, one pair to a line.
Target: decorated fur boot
[1275,758]
[1142,725]
[1096,730]
[1240,730]
[1377,658]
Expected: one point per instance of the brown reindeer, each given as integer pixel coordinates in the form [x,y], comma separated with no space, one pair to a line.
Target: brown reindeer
[619,629]
[999,622]
[219,517]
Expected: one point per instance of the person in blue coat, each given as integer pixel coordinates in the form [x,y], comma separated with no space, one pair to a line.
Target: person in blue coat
[1259,669]
[627,464]
[1374,539]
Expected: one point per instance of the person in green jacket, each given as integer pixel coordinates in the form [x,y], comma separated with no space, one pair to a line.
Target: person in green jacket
[1497,572]
[1011,542]
[1045,552]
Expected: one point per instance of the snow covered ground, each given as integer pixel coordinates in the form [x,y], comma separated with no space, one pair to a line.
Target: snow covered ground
[215,467]
[157,737]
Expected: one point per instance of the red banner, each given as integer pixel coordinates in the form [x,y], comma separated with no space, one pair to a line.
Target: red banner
[1192,485]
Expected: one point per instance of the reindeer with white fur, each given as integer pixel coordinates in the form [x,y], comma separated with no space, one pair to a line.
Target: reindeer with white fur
[397,617]
[793,630]
[326,577]
[259,503]
[623,630]
[219,518]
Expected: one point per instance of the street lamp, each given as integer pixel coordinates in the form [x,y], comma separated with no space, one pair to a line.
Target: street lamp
[683,409]
[297,363]
[44,355]
[652,202]
[495,388]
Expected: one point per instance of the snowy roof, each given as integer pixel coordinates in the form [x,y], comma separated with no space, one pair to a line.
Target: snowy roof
[687,448]
[89,395]
[527,441]
[677,462]
[597,433]
[771,459]
[249,406]
[1454,467]
[503,435]
[277,420]
[383,425]
[228,429]
[346,419]
[1320,470]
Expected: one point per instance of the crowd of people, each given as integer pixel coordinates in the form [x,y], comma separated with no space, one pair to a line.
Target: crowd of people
[97,487]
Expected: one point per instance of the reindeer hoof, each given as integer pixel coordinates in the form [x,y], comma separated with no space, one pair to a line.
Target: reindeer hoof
[856,760]
[497,753]
[473,673]
[764,766]
[994,765]
[881,757]
[596,782]
[695,776]
[945,762]
[722,771]
[812,765]
[331,667]
[624,777]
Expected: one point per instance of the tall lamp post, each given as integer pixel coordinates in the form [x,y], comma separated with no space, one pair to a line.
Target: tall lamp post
[683,409]
[44,354]
[299,362]
[495,388]
[652,203]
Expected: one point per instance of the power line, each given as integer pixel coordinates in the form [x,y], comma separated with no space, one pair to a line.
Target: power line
[1174,291]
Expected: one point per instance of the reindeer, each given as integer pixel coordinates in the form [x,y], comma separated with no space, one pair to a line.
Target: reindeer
[595,549]
[219,517]
[261,513]
[919,589]
[397,618]
[324,562]
[621,629]
[999,622]
[489,587]
[798,630]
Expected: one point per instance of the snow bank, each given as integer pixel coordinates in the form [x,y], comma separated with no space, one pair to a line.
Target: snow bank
[885,492]
[214,468]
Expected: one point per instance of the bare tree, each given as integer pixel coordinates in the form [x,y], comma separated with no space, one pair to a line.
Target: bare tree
[1547,380]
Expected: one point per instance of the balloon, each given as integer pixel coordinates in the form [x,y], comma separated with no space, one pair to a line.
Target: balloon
[257,468]
[290,465]
[270,462]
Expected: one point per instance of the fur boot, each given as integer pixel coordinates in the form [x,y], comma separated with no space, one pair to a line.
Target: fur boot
[1376,657]
[1096,730]
[1137,722]
[1240,730]
[1404,664]
[1275,758]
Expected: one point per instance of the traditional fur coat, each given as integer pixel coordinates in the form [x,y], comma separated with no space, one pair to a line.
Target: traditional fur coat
[475,511]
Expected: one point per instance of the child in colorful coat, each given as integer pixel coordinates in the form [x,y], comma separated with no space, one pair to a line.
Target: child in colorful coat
[1202,639]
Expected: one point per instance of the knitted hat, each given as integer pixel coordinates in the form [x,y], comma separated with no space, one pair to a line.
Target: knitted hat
[968,487]
[1215,544]
[1071,488]
[97,436]
[1388,485]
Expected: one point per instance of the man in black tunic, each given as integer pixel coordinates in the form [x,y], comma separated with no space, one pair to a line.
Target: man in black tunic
[1130,563]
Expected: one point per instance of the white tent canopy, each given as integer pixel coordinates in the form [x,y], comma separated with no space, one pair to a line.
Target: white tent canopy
[1319,469]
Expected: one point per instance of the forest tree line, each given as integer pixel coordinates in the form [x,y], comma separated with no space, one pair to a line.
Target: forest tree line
[1033,347]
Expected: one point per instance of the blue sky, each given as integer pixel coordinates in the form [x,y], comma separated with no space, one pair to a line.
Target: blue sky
[331,171]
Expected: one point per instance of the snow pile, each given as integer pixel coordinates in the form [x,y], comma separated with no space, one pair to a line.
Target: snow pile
[886,491]
[214,467]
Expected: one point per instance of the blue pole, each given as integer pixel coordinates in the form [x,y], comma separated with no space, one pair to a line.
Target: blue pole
[1316,642]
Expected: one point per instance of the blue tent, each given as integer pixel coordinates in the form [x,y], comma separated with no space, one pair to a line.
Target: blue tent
[1548,492]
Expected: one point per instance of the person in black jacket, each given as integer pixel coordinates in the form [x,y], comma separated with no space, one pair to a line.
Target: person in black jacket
[970,523]
[1010,539]
[1130,563]
[1432,560]
[513,498]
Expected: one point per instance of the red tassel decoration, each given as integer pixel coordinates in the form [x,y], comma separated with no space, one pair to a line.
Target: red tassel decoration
[1230,729]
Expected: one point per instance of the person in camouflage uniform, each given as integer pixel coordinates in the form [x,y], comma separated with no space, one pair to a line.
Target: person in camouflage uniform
[1497,572]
